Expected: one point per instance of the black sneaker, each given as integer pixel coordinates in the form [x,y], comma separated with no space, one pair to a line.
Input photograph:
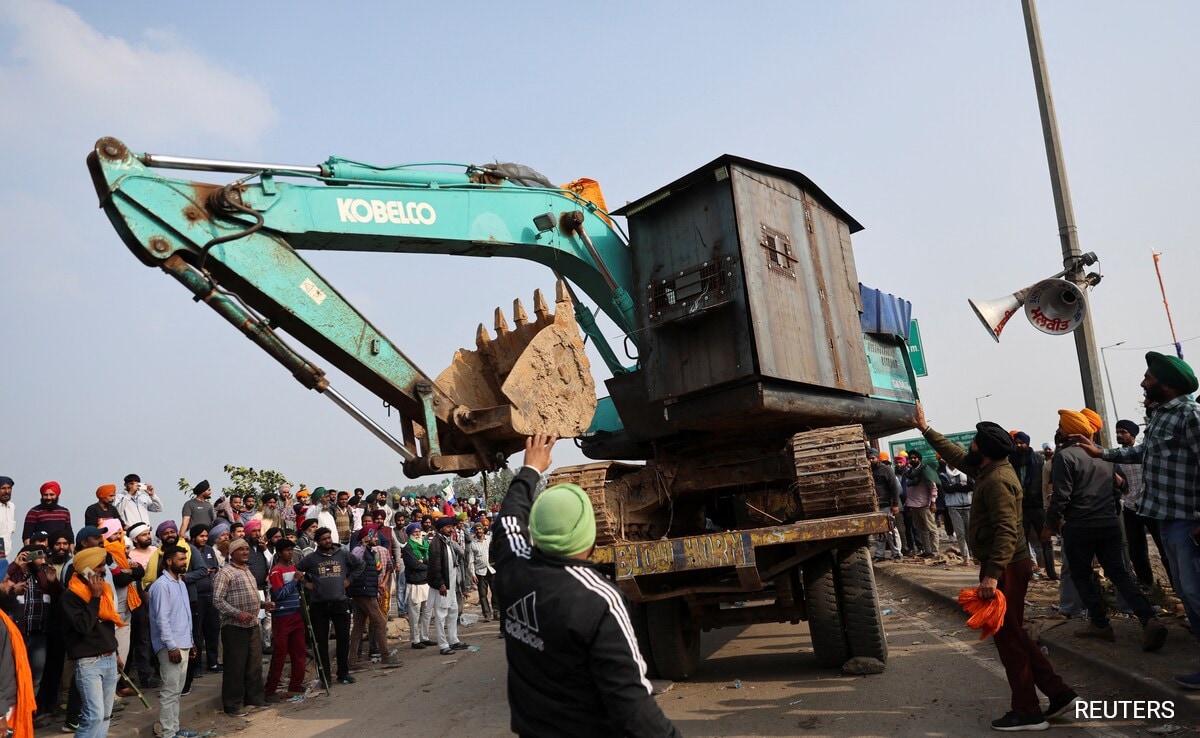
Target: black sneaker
[187,689]
[1060,704]
[419,644]
[70,727]
[459,646]
[347,680]
[236,712]
[1013,722]
[429,643]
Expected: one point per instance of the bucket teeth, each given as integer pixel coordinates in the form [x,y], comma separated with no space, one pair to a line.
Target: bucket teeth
[481,337]
[561,293]
[519,316]
[501,324]
[540,308]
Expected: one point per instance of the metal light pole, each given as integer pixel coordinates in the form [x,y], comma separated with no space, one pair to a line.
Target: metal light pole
[1085,337]
[977,410]
[1108,377]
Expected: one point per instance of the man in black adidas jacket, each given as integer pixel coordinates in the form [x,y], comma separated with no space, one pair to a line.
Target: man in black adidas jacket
[574,667]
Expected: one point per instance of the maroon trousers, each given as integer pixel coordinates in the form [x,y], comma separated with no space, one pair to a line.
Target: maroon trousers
[288,635]
[1025,664]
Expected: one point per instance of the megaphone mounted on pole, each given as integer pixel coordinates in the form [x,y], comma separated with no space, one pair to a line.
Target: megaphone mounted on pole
[1055,306]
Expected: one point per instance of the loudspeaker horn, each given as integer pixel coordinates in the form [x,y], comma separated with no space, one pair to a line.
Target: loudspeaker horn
[1054,306]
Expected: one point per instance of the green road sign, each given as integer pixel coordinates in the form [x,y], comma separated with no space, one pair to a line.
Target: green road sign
[920,444]
[916,353]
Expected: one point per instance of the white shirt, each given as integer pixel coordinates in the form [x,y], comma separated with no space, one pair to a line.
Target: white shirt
[136,508]
[8,527]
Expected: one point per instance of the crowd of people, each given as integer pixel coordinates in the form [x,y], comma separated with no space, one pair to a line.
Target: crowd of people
[84,610]
[97,613]
[1100,503]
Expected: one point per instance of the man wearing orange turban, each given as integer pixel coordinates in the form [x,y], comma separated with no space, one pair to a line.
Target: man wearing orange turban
[105,507]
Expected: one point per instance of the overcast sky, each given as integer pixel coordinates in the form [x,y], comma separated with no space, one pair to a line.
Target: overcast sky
[918,118]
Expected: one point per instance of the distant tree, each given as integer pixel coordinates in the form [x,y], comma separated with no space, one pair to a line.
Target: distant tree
[246,481]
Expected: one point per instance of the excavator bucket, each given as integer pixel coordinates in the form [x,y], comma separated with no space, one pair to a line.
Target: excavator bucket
[533,377]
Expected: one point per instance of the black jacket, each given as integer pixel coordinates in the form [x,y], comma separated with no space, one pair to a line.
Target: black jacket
[366,584]
[1085,493]
[86,635]
[1027,463]
[416,571]
[574,667]
[439,562]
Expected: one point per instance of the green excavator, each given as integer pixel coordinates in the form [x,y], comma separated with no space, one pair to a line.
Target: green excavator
[730,453]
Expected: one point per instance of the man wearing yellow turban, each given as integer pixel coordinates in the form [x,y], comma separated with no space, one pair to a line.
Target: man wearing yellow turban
[91,639]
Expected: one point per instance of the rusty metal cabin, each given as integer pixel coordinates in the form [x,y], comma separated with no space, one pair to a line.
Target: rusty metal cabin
[748,302]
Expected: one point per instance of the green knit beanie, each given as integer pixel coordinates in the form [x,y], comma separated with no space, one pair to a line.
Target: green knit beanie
[562,522]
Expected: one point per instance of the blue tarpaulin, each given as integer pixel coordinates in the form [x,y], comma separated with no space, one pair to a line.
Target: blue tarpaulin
[884,313]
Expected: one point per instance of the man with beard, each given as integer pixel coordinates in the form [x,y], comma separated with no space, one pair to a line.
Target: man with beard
[1170,459]
[105,507]
[1083,505]
[887,493]
[171,635]
[399,539]
[260,566]
[237,598]
[8,515]
[48,514]
[341,517]
[445,553]
[198,510]
[1137,526]
[143,548]
[416,576]
[39,590]
[329,571]
[168,535]
[305,544]
[206,627]
[1027,464]
[997,540]
[920,484]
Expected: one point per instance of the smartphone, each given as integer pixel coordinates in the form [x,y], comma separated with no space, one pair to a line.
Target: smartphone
[36,553]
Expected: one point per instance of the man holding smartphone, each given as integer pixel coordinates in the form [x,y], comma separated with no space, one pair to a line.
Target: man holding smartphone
[38,590]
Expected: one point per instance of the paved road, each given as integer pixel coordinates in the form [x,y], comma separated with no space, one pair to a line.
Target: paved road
[940,681]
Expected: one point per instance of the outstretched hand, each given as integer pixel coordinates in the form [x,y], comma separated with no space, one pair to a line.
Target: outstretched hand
[1085,443]
[918,417]
[537,451]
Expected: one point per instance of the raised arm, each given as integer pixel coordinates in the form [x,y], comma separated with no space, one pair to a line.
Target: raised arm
[512,537]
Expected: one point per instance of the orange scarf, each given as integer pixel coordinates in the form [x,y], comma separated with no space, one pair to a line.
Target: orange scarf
[117,549]
[22,720]
[108,610]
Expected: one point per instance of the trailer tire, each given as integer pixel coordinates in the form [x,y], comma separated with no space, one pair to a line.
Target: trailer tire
[824,615]
[674,643]
[637,617]
[860,604]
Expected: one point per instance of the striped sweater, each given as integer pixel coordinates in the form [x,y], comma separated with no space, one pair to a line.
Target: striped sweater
[285,595]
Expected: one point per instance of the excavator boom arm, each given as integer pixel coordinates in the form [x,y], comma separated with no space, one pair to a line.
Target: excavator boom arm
[236,247]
